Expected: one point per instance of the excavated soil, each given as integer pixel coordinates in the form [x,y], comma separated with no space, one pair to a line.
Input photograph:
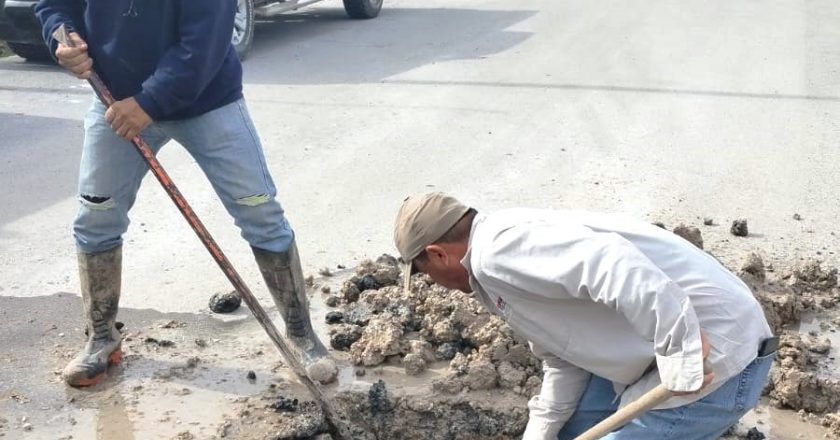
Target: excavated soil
[430,363]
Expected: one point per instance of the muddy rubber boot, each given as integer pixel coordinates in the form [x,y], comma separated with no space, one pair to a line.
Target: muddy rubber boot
[99,275]
[284,278]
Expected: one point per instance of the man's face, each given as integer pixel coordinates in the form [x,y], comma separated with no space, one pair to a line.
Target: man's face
[443,264]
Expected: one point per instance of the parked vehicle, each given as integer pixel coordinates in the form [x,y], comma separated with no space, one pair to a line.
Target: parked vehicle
[20,28]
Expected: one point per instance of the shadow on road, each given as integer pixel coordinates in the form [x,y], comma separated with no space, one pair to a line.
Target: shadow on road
[323,46]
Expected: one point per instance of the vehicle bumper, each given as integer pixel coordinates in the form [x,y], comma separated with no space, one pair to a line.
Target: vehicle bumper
[18,23]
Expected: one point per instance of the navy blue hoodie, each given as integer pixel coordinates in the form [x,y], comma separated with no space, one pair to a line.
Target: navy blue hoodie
[173,56]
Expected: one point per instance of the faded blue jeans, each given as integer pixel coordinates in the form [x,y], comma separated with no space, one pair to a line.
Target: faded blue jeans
[705,419]
[225,145]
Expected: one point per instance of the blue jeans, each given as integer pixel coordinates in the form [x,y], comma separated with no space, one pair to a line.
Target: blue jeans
[705,419]
[225,145]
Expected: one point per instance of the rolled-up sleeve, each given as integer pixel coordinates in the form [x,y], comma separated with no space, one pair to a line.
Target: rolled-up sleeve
[563,385]
[575,262]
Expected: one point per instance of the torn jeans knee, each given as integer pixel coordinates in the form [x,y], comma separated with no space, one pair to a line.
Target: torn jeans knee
[254,200]
[98,203]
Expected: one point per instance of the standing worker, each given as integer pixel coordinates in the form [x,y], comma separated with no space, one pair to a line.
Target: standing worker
[175,75]
[612,305]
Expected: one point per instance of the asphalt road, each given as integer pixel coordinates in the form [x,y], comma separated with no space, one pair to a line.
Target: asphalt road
[667,110]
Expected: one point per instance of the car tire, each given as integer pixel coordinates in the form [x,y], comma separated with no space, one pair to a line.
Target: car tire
[362,8]
[243,28]
[31,52]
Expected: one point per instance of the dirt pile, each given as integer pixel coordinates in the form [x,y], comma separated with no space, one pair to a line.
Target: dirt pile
[431,363]
[430,327]
[431,324]
[803,376]
[381,415]
[690,233]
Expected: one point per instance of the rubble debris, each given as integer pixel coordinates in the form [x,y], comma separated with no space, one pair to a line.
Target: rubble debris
[754,266]
[797,217]
[334,317]
[344,336]
[381,338]
[755,434]
[832,422]
[414,364]
[446,351]
[378,397]
[432,416]
[388,260]
[690,233]
[812,276]
[739,228]
[225,302]
[283,404]
[323,371]
[159,342]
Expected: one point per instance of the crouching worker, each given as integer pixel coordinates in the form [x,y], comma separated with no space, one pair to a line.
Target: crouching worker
[613,306]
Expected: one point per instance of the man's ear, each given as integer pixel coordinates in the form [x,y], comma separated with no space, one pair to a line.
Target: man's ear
[436,253]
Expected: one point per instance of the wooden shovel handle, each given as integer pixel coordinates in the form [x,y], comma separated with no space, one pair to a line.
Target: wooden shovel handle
[623,416]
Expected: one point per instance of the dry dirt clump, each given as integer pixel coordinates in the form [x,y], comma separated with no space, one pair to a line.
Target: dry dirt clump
[802,377]
[739,228]
[690,233]
[753,265]
[832,422]
[796,383]
[812,276]
[431,324]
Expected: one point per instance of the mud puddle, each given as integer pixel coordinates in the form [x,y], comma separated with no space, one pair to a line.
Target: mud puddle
[779,424]
[180,373]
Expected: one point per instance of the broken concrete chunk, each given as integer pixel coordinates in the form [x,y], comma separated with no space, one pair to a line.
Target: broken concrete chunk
[691,234]
[225,302]
[739,228]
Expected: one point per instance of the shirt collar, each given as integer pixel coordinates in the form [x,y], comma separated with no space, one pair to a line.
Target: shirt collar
[468,255]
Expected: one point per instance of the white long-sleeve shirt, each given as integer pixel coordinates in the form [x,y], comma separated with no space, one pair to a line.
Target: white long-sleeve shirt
[614,296]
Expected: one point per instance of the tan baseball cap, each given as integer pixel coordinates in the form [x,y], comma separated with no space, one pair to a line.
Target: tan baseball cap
[422,220]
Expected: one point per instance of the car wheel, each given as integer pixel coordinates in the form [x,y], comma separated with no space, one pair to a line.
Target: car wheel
[243,27]
[362,8]
[32,52]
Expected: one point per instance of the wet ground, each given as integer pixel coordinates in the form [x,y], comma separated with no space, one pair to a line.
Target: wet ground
[190,376]
[192,370]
